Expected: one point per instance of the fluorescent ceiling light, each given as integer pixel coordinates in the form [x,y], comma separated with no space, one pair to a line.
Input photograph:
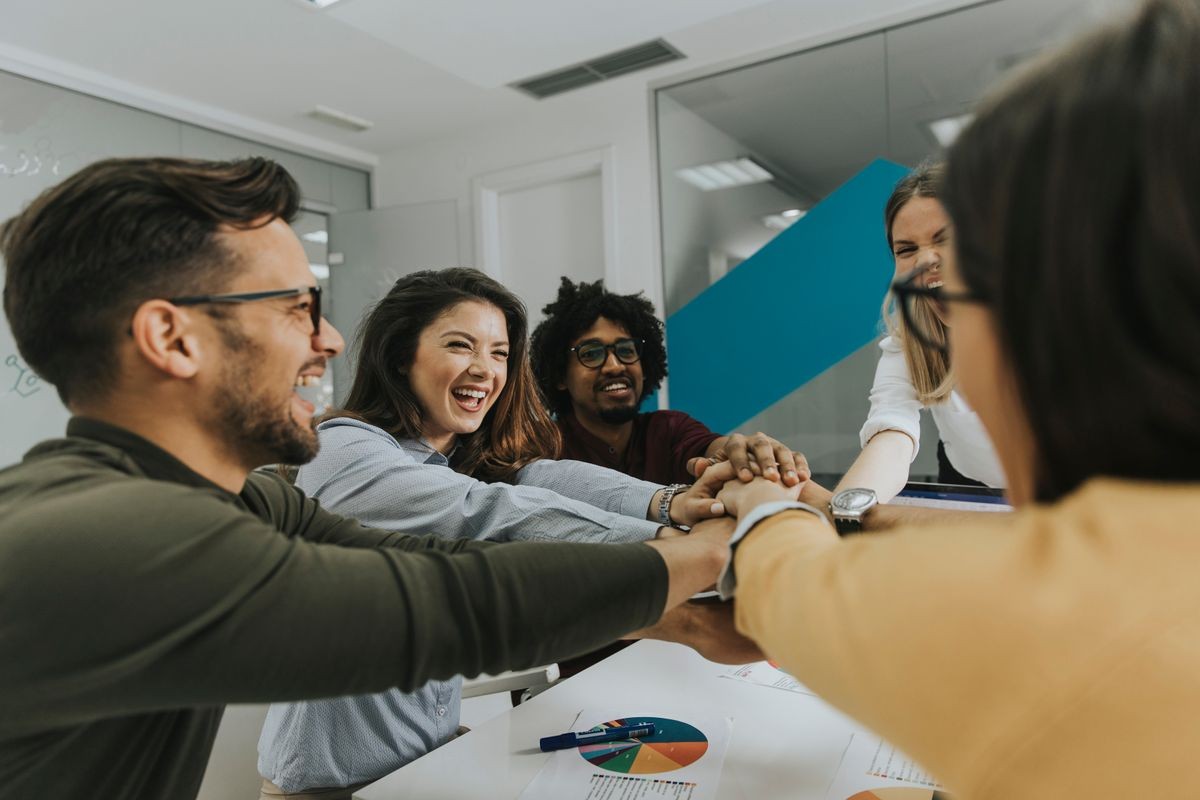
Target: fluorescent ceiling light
[725,174]
[321,3]
[947,129]
[317,237]
[340,118]
[320,271]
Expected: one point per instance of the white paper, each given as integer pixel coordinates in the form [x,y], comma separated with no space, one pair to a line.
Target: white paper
[675,763]
[763,673]
[872,769]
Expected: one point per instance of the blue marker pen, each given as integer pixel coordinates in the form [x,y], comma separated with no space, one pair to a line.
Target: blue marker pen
[565,740]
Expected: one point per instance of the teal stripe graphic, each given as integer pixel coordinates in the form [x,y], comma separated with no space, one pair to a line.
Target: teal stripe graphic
[802,303]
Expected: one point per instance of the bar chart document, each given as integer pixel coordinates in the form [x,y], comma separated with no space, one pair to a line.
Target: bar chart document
[767,673]
[872,769]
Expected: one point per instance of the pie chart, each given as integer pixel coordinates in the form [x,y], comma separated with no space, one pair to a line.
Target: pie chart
[894,793]
[674,744]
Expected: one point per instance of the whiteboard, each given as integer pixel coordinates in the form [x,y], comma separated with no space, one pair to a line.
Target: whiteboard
[48,133]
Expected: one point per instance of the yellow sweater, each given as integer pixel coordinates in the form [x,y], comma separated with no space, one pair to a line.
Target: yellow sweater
[1051,653]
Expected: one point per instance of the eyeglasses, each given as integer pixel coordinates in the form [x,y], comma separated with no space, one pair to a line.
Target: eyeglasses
[924,318]
[314,309]
[593,354]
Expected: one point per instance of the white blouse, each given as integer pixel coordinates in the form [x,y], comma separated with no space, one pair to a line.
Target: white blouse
[894,406]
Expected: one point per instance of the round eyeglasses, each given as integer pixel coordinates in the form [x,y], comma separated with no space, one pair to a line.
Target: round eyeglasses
[924,307]
[593,354]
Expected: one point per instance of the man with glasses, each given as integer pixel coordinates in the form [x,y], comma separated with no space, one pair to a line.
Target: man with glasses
[148,575]
[597,356]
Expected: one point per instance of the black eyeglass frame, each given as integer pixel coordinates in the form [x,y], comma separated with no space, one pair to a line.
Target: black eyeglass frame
[637,350]
[253,297]
[906,288]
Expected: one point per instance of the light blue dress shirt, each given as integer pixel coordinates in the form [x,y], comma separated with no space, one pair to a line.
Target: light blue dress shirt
[406,485]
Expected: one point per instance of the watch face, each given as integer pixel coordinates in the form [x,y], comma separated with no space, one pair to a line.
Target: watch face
[854,499]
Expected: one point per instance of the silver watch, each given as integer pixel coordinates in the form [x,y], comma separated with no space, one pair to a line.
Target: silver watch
[664,503]
[849,506]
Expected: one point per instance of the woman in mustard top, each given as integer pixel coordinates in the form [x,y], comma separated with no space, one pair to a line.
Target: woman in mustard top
[1053,652]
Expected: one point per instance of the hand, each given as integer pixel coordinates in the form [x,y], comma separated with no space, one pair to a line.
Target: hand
[696,504]
[771,456]
[741,498]
[707,628]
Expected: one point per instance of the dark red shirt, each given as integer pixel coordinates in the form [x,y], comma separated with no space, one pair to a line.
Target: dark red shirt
[658,451]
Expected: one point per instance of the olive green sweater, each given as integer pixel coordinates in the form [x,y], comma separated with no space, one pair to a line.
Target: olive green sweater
[137,597]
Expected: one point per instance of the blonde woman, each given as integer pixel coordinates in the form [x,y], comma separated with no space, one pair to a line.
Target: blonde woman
[911,375]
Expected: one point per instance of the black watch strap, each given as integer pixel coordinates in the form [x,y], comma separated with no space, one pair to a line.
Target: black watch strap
[845,525]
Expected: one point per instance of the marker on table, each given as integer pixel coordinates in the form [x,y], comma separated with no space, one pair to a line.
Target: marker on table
[565,740]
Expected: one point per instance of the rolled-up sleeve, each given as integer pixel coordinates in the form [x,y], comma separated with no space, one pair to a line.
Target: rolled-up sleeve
[894,402]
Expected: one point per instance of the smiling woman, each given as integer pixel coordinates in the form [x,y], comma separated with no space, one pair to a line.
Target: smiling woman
[442,433]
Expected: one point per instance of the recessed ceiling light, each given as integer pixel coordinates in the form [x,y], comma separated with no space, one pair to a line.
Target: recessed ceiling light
[724,174]
[317,237]
[784,219]
[320,271]
[321,3]
[947,129]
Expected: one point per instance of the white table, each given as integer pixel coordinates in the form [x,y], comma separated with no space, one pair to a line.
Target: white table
[784,744]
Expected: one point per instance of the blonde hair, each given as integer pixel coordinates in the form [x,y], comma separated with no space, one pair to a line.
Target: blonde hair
[928,369]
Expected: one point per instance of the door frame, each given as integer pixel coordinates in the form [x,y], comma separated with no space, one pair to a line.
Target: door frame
[488,188]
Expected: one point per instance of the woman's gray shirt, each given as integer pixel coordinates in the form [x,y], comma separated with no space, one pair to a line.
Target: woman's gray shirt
[406,485]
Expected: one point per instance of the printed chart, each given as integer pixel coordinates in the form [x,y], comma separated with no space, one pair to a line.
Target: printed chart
[674,744]
[872,769]
[681,761]
[893,793]
[767,673]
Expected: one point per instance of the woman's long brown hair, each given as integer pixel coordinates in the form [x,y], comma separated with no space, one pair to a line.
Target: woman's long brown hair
[516,431]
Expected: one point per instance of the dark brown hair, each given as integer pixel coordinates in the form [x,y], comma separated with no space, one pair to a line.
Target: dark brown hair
[516,431]
[86,253]
[1075,196]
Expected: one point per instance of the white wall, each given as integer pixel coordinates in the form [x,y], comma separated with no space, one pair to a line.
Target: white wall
[613,114]
[616,113]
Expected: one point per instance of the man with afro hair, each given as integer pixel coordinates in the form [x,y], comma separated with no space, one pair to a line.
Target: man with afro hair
[597,356]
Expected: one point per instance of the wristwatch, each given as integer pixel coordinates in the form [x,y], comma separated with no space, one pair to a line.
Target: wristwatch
[664,503]
[849,506]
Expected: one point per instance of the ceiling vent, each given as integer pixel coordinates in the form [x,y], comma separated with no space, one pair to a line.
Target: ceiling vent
[622,62]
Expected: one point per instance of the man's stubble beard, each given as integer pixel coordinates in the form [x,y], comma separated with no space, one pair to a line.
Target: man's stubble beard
[259,429]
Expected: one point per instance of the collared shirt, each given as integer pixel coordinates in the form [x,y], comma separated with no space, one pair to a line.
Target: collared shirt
[659,448]
[137,598]
[895,406]
[406,484]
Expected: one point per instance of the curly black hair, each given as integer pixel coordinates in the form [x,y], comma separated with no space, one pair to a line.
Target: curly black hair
[576,309]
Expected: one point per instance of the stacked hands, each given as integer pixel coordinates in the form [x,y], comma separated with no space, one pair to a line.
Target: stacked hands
[748,472]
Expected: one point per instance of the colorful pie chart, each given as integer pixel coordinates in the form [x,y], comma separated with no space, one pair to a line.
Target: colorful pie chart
[894,793]
[674,744]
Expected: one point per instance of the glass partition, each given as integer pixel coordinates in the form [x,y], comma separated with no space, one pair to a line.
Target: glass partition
[796,128]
